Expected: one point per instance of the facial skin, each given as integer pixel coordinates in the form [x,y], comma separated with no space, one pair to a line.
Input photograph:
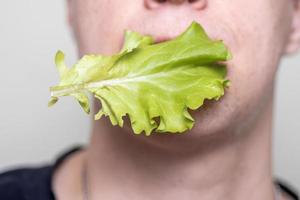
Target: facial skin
[258,33]
[227,155]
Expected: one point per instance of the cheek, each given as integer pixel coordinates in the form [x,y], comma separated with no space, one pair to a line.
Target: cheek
[252,70]
[259,39]
[256,40]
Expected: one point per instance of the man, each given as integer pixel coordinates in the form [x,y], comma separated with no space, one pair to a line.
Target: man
[227,155]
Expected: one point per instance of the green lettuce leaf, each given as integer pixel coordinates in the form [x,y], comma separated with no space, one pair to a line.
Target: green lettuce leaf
[153,84]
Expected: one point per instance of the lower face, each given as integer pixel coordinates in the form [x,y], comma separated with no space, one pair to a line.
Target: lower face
[254,31]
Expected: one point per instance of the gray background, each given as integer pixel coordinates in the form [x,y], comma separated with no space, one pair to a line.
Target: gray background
[30,132]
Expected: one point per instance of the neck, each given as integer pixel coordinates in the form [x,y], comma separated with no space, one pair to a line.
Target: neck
[225,166]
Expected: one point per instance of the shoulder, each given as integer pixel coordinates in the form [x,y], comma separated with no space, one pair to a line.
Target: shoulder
[24,183]
[287,190]
[31,183]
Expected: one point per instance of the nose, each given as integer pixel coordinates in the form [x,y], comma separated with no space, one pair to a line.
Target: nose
[197,4]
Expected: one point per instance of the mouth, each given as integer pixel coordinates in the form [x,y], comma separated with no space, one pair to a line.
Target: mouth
[160,39]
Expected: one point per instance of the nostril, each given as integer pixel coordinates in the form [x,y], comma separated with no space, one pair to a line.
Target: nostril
[151,4]
[198,4]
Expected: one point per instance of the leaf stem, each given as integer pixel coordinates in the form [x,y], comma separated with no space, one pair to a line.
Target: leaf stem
[63,90]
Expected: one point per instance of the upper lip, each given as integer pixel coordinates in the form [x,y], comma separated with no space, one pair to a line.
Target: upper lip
[162,38]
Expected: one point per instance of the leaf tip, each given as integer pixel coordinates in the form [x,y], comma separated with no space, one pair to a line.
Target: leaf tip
[59,56]
[229,56]
[52,101]
[226,83]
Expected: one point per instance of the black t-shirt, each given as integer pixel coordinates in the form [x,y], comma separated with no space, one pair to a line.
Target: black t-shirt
[34,183]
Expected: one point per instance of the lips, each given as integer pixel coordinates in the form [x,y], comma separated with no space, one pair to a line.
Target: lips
[160,39]
[165,34]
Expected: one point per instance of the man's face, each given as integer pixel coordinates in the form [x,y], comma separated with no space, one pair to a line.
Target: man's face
[256,32]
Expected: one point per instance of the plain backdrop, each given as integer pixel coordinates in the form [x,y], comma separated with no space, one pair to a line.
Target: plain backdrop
[31,32]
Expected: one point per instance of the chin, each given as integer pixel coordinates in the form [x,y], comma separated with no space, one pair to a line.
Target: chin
[214,118]
[215,122]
